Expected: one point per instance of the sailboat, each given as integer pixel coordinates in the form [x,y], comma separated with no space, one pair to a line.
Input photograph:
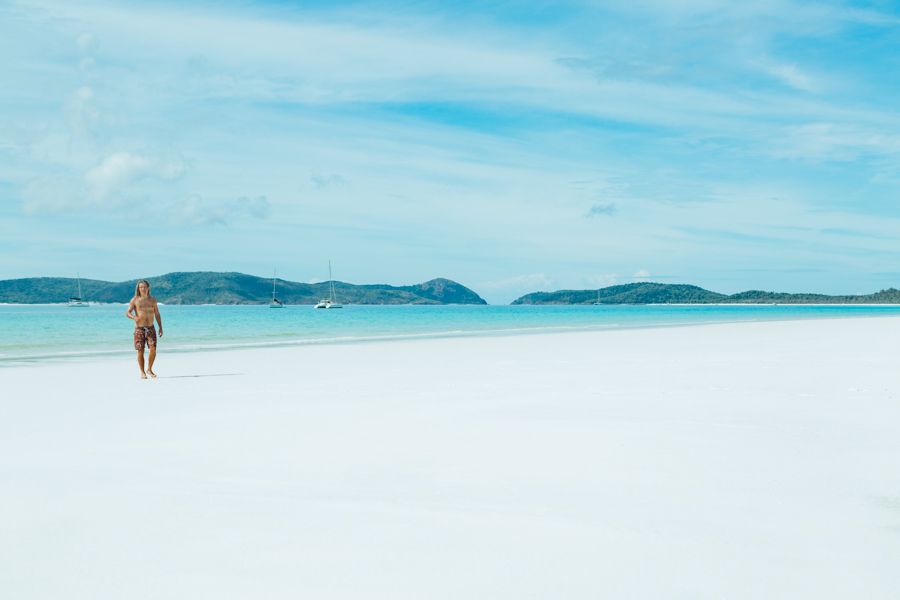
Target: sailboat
[598,299]
[329,302]
[76,300]
[275,303]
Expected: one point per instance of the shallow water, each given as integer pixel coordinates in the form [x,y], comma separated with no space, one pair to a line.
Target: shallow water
[30,333]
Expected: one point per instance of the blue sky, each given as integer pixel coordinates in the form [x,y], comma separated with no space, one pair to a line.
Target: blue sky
[512,146]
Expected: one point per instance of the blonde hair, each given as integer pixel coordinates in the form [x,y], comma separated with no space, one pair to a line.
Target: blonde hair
[137,286]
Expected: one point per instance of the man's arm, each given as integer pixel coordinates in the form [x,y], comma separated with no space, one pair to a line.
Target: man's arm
[158,317]
[131,308]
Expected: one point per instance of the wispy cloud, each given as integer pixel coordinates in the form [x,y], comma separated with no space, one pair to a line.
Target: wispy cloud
[322,181]
[85,114]
[606,209]
[791,75]
[199,211]
[119,171]
[837,142]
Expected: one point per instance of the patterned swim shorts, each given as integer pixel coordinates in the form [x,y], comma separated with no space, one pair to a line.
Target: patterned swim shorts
[144,335]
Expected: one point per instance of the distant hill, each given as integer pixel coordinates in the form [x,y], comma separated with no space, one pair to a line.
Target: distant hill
[663,293]
[233,288]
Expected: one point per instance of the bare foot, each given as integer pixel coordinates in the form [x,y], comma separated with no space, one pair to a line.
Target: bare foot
[143,376]
[151,373]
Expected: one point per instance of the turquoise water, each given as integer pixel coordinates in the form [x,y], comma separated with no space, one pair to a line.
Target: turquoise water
[53,332]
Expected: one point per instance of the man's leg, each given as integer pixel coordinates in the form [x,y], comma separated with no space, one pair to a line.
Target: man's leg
[152,357]
[140,357]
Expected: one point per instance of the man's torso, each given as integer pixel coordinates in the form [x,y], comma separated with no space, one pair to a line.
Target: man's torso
[146,310]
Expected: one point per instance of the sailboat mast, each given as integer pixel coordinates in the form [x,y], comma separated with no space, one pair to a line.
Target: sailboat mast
[274,271]
[78,278]
[331,279]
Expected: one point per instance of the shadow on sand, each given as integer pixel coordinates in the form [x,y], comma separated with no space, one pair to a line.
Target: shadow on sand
[194,376]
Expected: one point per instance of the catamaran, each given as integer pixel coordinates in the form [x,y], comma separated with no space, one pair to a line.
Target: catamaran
[275,303]
[329,302]
[76,300]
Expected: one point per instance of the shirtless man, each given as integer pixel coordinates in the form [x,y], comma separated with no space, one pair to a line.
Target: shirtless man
[142,309]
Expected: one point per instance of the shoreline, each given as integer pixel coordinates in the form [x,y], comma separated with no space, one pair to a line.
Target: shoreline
[34,360]
[312,304]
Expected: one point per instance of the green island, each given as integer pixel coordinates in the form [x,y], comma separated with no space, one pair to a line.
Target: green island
[232,288]
[664,293]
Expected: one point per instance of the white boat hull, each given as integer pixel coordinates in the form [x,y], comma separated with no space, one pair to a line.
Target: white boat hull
[327,304]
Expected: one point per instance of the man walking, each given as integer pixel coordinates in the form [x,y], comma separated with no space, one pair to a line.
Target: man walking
[142,309]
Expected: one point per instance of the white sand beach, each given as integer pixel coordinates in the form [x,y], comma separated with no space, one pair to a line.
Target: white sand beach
[753,460]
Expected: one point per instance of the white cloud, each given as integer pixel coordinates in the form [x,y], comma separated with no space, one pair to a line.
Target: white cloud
[791,75]
[84,113]
[84,41]
[199,211]
[836,141]
[120,170]
[641,274]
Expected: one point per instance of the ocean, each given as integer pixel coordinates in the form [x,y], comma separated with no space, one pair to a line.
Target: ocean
[35,333]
